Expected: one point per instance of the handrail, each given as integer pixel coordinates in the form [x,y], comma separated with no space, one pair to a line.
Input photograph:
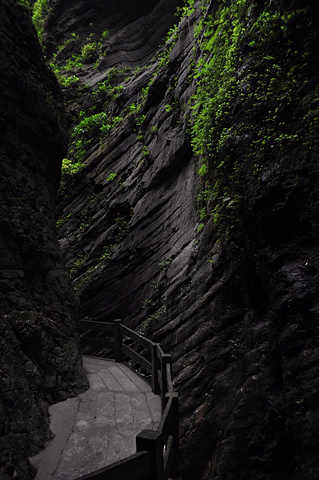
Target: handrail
[157,450]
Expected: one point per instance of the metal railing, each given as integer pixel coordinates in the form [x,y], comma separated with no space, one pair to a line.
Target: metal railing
[156,456]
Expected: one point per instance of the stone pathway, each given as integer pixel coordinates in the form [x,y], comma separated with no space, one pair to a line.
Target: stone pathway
[99,426]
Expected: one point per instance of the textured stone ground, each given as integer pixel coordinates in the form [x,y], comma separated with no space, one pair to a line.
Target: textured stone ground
[99,426]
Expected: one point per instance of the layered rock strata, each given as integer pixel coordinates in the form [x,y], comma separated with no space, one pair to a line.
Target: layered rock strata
[221,267]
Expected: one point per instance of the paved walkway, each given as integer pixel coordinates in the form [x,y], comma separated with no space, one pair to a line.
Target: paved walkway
[99,426]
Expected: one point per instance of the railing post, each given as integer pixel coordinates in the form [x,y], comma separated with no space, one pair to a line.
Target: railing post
[155,368]
[166,359]
[118,355]
[151,441]
[174,473]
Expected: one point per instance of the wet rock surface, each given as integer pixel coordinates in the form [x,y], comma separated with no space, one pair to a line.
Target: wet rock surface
[39,360]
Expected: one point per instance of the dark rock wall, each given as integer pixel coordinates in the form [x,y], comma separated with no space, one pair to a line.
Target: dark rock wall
[39,359]
[228,282]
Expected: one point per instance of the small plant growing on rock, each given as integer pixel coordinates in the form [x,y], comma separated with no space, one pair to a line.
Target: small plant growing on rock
[89,52]
[89,130]
[147,303]
[203,169]
[67,81]
[27,4]
[63,219]
[145,151]
[111,177]
[105,33]
[155,316]
[78,264]
[69,168]
[165,264]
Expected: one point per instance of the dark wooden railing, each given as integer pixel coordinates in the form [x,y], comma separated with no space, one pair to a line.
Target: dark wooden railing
[156,456]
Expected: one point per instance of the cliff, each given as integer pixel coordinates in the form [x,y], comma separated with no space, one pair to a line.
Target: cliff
[195,216]
[39,360]
[189,208]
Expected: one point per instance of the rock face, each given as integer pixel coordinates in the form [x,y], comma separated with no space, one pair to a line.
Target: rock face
[133,39]
[39,361]
[199,226]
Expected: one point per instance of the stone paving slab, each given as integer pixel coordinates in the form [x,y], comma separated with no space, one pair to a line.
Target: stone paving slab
[99,426]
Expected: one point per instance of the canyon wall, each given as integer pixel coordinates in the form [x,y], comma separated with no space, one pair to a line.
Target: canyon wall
[39,357]
[189,208]
[195,220]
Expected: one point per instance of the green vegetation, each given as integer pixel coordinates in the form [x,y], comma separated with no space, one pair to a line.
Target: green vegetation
[247,68]
[93,125]
[186,10]
[82,279]
[165,264]
[40,14]
[79,262]
[107,88]
[155,316]
[28,4]
[90,51]
[145,151]
[105,33]
[68,65]
[147,303]
[89,131]
[111,177]
[233,89]
[63,219]
[70,168]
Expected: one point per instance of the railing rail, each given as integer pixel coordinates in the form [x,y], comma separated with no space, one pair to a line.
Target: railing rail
[156,455]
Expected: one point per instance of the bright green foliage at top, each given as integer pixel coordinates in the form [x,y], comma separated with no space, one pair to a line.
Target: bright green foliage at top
[39,16]
[70,66]
[91,124]
[186,10]
[248,76]
[216,74]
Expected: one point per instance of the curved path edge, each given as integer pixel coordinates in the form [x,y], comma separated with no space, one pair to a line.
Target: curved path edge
[99,426]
